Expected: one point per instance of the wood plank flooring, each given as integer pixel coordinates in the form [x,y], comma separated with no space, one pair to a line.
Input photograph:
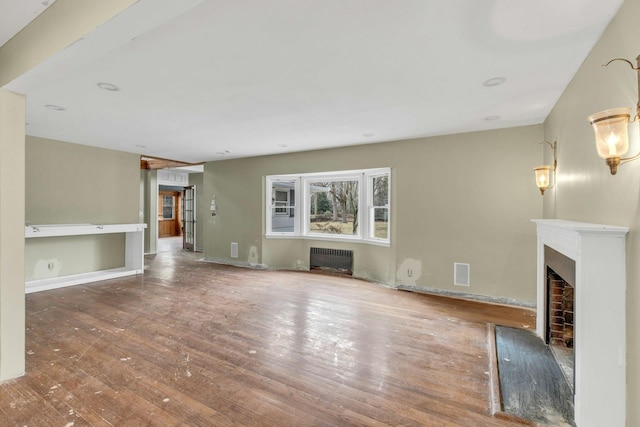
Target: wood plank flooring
[192,343]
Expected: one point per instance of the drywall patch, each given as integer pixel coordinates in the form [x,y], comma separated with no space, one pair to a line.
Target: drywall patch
[409,271]
[364,274]
[299,265]
[253,256]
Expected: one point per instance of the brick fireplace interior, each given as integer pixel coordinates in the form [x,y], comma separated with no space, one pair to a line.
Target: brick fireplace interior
[560,315]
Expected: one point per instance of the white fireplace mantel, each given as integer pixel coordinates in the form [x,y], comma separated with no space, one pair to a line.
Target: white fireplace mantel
[599,318]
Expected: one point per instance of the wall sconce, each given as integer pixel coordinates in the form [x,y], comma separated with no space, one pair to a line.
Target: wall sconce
[543,172]
[611,129]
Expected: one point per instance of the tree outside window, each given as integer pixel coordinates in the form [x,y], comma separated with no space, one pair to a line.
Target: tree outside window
[338,203]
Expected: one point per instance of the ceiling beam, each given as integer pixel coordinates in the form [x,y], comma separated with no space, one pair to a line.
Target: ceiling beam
[153,163]
[63,23]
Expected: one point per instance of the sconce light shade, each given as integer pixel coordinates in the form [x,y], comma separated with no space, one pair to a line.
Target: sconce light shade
[612,139]
[542,177]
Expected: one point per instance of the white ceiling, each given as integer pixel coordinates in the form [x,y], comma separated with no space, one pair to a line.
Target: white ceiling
[205,80]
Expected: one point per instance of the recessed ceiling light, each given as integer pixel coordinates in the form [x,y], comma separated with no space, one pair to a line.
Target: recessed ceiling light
[494,81]
[108,86]
[55,107]
[491,118]
[368,134]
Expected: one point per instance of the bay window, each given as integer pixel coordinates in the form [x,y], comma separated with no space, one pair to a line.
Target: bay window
[347,205]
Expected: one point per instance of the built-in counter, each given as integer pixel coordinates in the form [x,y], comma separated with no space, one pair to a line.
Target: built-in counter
[133,257]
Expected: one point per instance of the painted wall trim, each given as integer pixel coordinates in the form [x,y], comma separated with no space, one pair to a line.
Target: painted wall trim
[465,295]
[236,263]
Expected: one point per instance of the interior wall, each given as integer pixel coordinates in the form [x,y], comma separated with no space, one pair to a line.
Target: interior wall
[76,184]
[461,198]
[150,211]
[72,255]
[12,301]
[586,191]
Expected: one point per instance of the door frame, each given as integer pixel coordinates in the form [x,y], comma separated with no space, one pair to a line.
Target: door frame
[189,218]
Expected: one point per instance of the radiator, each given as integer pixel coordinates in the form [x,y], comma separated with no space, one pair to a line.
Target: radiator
[338,259]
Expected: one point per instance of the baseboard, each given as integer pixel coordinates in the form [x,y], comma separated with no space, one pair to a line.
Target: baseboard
[78,279]
[243,264]
[13,378]
[469,296]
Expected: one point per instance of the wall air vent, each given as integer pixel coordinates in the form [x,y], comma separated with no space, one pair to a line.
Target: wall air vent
[461,274]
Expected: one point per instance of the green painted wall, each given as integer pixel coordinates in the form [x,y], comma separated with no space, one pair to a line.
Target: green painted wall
[462,198]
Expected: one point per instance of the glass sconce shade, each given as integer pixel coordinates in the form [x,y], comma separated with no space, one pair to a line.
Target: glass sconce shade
[542,177]
[610,127]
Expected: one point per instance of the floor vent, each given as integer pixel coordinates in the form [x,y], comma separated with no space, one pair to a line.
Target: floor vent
[339,260]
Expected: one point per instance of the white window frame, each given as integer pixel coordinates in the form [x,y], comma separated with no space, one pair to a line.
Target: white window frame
[371,207]
[271,204]
[302,207]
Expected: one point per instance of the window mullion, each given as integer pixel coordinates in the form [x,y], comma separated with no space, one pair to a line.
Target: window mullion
[299,206]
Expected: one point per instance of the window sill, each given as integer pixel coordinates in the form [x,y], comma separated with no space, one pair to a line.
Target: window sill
[382,243]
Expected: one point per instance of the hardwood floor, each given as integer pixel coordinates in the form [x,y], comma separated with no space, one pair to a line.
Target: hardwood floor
[192,343]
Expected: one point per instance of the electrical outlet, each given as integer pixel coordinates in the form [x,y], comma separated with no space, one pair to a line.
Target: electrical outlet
[409,273]
[50,266]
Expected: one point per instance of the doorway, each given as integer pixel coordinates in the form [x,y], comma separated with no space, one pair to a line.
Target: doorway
[189,218]
[169,213]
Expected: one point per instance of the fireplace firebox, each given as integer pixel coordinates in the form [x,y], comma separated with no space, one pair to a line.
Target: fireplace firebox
[559,310]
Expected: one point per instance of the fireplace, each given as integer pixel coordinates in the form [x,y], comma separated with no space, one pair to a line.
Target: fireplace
[589,262]
[560,273]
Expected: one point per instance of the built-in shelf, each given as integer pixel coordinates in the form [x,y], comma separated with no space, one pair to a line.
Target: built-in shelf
[134,252]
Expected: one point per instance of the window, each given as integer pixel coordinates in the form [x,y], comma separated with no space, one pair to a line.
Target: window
[282,195]
[167,206]
[339,213]
[379,206]
[350,205]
